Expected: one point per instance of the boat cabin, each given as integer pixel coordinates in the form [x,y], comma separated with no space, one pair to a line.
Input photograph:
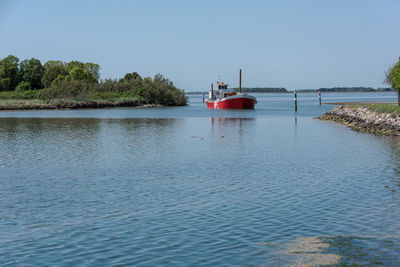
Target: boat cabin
[222,86]
[222,91]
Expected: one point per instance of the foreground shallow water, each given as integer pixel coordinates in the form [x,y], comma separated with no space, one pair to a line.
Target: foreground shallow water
[188,186]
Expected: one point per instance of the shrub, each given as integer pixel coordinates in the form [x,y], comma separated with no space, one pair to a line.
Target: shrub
[23,86]
[66,88]
[30,94]
[116,96]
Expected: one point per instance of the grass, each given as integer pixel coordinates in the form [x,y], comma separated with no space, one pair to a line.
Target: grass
[25,104]
[381,108]
[9,102]
[31,99]
[30,94]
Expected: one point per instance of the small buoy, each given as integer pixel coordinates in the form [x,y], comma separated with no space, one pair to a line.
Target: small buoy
[222,136]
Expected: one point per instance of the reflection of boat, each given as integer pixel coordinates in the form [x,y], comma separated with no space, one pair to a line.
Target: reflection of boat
[228,98]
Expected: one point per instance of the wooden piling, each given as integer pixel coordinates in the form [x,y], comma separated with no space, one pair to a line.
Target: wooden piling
[240,81]
[319,97]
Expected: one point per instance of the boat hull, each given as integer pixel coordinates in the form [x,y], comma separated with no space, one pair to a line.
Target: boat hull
[233,102]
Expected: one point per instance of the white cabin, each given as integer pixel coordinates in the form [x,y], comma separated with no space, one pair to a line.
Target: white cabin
[221,91]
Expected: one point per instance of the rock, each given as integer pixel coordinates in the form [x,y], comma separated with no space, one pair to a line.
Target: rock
[364,120]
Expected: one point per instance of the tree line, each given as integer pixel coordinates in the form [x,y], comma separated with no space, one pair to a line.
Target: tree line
[58,80]
[263,90]
[346,89]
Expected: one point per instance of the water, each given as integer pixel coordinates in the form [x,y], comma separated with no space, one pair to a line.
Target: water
[190,186]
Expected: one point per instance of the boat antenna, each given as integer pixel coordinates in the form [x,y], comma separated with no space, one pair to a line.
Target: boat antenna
[240,81]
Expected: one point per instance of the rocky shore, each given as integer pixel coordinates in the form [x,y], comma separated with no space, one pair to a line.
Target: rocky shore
[365,120]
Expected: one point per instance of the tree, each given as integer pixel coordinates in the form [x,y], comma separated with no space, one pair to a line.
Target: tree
[32,72]
[74,63]
[94,69]
[393,78]
[90,67]
[132,76]
[23,86]
[81,73]
[9,73]
[159,78]
[388,79]
[52,69]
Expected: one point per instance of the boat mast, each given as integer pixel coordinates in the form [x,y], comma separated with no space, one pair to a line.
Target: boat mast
[240,81]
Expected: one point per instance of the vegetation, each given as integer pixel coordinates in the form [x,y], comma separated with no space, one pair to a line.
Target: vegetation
[31,73]
[29,94]
[381,108]
[392,77]
[346,89]
[9,73]
[74,81]
[263,90]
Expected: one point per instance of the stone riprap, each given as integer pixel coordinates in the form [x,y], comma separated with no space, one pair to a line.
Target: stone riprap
[365,120]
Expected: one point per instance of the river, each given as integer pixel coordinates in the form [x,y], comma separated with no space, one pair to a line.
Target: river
[188,186]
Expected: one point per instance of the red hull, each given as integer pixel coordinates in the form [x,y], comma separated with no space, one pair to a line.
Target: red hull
[235,102]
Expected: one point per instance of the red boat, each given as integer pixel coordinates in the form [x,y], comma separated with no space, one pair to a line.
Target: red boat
[228,98]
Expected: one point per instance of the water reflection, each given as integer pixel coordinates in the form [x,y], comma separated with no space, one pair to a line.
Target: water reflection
[195,191]
[71,139]
[32,137]
[235,126]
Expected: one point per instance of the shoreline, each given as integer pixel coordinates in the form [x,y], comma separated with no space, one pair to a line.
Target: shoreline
[364,119]
[298,92]
[358,103]
[64,104]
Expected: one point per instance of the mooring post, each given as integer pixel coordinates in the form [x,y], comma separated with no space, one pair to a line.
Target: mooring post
[295,100]
[319,97]
[240,81]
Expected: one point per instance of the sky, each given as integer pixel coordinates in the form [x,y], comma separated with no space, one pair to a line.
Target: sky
[287,43]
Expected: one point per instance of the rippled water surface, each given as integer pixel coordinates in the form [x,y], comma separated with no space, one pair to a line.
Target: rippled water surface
[190,186]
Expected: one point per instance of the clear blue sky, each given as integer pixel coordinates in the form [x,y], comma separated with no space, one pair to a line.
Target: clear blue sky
[292,44]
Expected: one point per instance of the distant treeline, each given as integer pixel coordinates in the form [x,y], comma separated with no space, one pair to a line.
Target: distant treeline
[347,89]
[29,79]
[262,90]
[251,90]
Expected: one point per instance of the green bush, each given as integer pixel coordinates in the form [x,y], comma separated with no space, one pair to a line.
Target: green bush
[23,86]
[150,91]
[78,80]
[30,94]
[69,89]
[116,96]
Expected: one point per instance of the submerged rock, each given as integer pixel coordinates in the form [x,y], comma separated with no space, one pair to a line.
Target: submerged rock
[311,251]
[365,120]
